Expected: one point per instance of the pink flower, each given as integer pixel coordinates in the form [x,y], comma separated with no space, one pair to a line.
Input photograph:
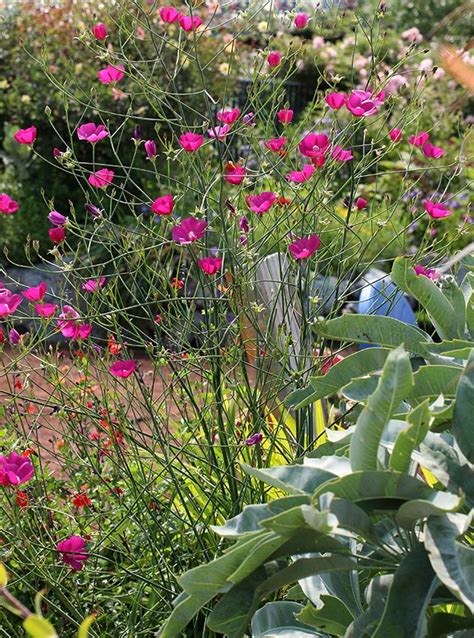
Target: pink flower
[412,35]
[190,230]
[102,178]
[70,325]
[419,139]
[122,369]
[219,132]
[25,135]
[430,150]
[332,361]
[431,273]
[188,23]
[7,204]
[285,116]
[150,149]
[14,337]
[8,301]
[396,134]
[73,552]
[56,218]
[336,101]
[100,31]
[261,203]
[36,293]
[301,176]
[111,74]
[210,265]
[276,144]
[228,117]
[437,210]
[234,174]
[163,205]
[360,203]
[364,103]
[314,145]
[57,234]
[191,141]
[93,284]
[169,14]
[305,247]
[342,155]
[274,58]
[45,310]
[301,20]
[91,132]
[15,469]
[254,439]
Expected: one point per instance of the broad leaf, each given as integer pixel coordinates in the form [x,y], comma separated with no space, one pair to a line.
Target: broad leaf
[376,595]
[278,615]
[409,439]
[38,627]
[457,348]
[294,479]
[452,561]
[395,383]
[463,411]
[441,625]
[333,617]
[417,509]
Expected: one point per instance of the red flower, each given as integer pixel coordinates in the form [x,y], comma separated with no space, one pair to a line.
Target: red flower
[81,500]
[22,500]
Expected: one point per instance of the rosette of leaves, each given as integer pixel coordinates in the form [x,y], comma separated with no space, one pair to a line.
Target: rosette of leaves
[372,540]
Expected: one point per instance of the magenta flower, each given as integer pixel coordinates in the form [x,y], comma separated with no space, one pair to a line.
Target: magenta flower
[111,74]
[94,284]
[314,145]
[276,144]
[91,132]
[336,101]
[57,234]
[73,552]
[169,14]
[301,176]
[254,439]
[100,31]
[45,310]
[228,117]
[249,119]
[191,141]
[70,326]
[419,139]
[8,206]
[341,155]
[437,210]
[364,103]
[285,116]
[244,224]
[150,149]
[305,247]
[219,132]
[122,369]
[189,230]
[210,265]
[15,469]
[301,20]
[430,150]
[360,203]
[102,178]
[14,337]
[25,135]
[274,58]
[260,204]
[188,23]
[234,174]
[35,293]
[163,205]
[431,273]
[8,302]
[56,218]
[396,134]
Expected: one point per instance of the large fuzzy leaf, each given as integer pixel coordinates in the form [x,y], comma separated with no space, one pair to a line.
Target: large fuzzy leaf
[415,510]
[278,616]
[428,294]
[404,614]
[293,479]
[376,595]
[457,348]
[394,384]
[463,417]
[452,561]
[418,426]
[383,331]
[333,617]
[355,365]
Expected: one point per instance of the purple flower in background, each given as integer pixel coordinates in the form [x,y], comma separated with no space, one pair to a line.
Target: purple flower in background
[56,218]
[254,439]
